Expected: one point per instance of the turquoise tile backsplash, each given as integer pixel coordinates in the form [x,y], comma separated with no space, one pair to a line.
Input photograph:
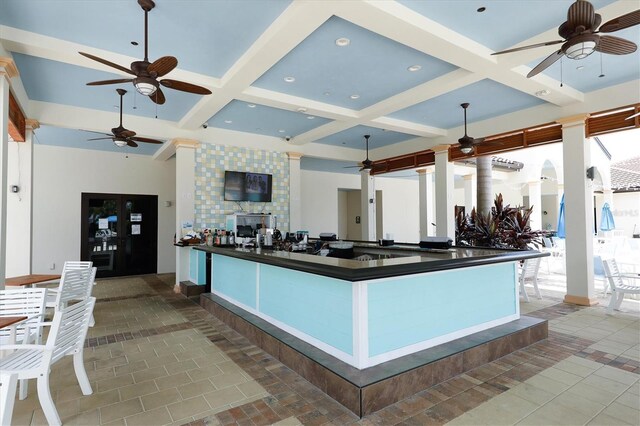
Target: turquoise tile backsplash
[211,163]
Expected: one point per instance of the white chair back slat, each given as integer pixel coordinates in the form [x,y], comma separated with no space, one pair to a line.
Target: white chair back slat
[69,329]
[530,267]
[612,273]
[28,302]
[75,284]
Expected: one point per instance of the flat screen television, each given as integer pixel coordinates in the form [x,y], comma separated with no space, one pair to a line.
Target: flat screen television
[243,186]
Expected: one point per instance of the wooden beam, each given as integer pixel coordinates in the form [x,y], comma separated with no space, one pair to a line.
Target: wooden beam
[17,127]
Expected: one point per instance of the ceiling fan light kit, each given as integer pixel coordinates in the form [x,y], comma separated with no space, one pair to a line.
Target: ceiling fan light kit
[146,86]
[582,49]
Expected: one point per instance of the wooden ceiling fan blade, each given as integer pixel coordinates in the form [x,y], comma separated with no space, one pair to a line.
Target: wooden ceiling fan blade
[581,14]
[163,66]
[99,139]
[98,133]
[476,141]
[621,22]
[127,133]
[108,63]
[116,81]
[531,46]
[185,87]
[158,97]
[615,45]
[132,144]
[147,140]
[546,63]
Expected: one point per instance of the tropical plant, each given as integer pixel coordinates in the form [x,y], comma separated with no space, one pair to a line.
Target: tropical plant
[503,227]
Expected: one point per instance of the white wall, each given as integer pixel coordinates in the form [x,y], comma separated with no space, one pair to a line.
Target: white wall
[400,203]
[62,174]
[18,210]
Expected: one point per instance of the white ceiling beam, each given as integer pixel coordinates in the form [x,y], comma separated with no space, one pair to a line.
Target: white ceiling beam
[33,44]
[297,22]
[399,23]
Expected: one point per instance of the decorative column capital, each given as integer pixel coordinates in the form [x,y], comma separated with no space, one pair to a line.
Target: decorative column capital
[8,67]
[294,155]
[440,148]
[424,171]
[32,123]
[573,120]
[469,176]
[534,182]
[184,143]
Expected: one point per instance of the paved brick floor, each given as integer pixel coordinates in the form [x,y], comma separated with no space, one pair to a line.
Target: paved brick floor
[155,357]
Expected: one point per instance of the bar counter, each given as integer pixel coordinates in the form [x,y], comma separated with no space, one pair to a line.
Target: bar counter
[405,259]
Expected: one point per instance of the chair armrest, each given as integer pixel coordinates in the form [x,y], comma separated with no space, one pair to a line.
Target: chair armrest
[633,276]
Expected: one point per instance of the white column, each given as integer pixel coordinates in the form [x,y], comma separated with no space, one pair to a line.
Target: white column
[425,188]
[607,197]
[185,188]
[445,220]
[578,205]
[367,206]
[19,204]
[295,191]
[7,71]
[484,184]
[535,200]
[470,191]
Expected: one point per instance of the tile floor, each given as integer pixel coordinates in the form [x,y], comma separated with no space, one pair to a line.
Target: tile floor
[155,358]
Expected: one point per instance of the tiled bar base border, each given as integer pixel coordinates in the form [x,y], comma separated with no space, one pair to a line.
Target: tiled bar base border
[367,391]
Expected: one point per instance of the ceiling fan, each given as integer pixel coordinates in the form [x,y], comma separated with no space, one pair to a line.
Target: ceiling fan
[121,136]
[467,142]
[581,36]
[366,164]
[146,73]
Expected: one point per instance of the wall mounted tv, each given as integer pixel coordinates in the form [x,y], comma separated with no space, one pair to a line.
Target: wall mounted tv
[243,186]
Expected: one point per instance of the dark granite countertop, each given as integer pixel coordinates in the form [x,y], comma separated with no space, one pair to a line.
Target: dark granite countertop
[404,260]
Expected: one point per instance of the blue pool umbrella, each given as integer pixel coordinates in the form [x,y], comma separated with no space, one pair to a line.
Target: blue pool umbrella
[606,220]
[561,233]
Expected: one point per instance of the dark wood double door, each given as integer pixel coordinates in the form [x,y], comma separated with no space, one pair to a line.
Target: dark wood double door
[120,233]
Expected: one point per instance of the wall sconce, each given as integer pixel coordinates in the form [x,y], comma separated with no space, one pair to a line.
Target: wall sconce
[591,172]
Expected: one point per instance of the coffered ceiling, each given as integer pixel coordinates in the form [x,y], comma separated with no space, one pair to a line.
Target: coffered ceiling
[277,68]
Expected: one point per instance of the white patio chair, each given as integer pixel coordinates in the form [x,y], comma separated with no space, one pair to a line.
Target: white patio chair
[68,266]
[7,396]
[29,302]
[618,285]
[67,335]
[529,272]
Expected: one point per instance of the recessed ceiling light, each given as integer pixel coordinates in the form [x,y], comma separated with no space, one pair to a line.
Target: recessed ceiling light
[481,9]
[228,121]
[289,79]
[327,93]
[342,42]
[413,68]
[544,92]
[580,68]
[281,131]
[310,117]
[135,43]
[354,96]
[301,109]
[116,107]
[251,105]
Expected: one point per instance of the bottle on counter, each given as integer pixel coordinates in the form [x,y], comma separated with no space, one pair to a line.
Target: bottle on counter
[224,239]
[232,239]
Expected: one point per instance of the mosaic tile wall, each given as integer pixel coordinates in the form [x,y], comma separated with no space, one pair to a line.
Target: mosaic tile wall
[211,163]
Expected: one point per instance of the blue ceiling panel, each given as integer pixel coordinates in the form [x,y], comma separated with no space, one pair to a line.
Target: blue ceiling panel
[206,36]
[371,66]
[57,82]
[503,24]
[71,138]
[326,165]
[487,98]
[354,138]
[617,69]
[264,120]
